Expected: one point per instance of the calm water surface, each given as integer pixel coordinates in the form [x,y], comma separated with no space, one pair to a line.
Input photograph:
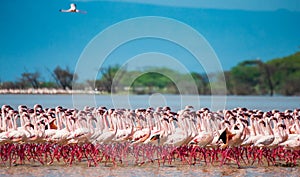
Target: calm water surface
[176,102]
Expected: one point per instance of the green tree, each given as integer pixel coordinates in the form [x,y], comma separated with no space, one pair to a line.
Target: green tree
[152,82]
[245,79]
[285,74]
[111,77]
[265,76]
[229,82]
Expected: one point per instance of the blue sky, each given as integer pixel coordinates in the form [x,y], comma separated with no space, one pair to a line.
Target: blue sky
[35,36]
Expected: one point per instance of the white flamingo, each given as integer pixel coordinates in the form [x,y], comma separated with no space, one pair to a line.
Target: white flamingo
[233,137]
[73,9]
[280,135]
[205,135]
[179,134]
[143,128]
[254,133]
[268,135]
[125,128]
[159,134]
[293,142]
[82,133]
[100,124]
[110,130]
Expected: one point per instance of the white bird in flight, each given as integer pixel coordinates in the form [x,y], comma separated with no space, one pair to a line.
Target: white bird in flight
[73,9]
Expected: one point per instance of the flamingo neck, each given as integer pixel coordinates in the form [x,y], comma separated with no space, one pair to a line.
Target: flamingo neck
[252,128]
[269,128]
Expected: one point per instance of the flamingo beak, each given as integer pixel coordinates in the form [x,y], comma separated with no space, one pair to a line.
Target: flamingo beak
[153,138]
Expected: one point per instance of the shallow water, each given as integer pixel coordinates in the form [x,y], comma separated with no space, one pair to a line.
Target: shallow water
[148,170]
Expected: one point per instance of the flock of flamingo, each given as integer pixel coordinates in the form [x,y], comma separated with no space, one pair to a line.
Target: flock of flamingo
[121,136]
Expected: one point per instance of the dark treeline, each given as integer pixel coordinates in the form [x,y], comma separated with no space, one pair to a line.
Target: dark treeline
[62,79]
[279,76]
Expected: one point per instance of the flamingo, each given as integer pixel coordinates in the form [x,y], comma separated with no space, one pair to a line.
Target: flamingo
[49,130]
[110,129]
[280,135]
[73,9]
[293,144]
[179,134]
[205,134]
[62,133]
[160,135]
[82,133]
[125,128]
[291,140]
[22,133]
[39,130]
[268,135]
[191,123]
[141,135]
[100,123]
[4,114]
[253,135]
[143,129]
[233,137]
[273,135]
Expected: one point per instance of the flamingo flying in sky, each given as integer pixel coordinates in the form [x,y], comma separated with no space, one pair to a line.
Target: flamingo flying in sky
[73,9]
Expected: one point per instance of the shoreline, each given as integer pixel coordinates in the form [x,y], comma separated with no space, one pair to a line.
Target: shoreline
[53,91]
[46,91]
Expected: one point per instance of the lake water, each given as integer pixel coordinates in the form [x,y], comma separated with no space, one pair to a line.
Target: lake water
[176,102]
